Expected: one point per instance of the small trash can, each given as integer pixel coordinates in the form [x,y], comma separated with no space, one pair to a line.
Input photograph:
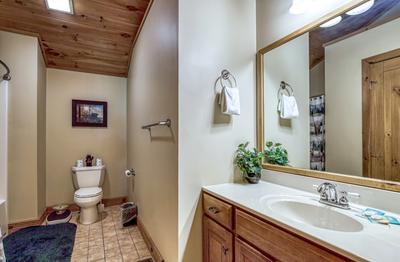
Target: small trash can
[128,214]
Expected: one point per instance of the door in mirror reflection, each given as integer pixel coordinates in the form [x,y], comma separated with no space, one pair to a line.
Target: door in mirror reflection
[381,110]
[346,83]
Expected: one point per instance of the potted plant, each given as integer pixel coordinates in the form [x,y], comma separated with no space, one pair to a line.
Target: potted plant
[249,163]
[276,154]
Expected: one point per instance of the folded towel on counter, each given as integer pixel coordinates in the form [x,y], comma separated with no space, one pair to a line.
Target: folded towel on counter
[229,100]
[287,107]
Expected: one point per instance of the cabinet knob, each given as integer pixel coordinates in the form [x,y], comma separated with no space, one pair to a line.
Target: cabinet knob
[225,250]
[214,210]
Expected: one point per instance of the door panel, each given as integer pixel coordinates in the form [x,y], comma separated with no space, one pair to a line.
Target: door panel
[392,90]
[218,243]
[383,121]
[245,253]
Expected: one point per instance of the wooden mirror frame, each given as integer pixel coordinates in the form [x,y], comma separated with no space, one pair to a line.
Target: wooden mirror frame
[348,179]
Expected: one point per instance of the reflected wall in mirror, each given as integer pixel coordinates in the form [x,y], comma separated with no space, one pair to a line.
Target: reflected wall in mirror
[346,83]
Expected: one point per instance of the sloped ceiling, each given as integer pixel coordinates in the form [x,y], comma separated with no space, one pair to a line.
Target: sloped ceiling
[351,25]
[97,38]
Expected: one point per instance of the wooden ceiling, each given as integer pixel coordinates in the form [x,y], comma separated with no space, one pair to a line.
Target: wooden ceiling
[97,38]
[349,26]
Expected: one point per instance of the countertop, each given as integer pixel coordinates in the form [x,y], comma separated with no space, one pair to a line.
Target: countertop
[375,242]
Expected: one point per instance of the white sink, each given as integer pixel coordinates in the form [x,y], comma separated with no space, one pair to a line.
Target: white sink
[309,211]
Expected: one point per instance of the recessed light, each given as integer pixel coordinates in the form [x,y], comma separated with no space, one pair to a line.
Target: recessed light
[60,5]
[361,9]
[332,22]
[300,6]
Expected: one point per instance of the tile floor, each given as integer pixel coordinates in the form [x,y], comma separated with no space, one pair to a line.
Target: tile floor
[107,241]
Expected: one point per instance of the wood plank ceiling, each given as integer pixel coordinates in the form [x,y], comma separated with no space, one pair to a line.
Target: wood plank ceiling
[348,26]
[97,38]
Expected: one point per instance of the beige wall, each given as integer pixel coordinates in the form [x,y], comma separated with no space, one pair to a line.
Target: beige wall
[153,96]
[213,35]
[344,94]
[21,54]
[66,144]
[317,79]
[289,63]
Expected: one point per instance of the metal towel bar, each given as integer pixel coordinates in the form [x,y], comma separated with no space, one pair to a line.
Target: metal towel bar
[161,123]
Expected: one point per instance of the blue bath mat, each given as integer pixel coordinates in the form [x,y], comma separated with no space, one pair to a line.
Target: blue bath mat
[41,243]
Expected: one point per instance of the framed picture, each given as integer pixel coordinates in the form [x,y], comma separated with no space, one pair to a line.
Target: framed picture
[89,113]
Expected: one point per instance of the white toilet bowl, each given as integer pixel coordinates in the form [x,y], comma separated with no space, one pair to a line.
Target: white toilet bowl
[87,199]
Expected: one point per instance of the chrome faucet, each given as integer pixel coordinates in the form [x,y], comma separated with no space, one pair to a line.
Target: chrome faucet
[331,196]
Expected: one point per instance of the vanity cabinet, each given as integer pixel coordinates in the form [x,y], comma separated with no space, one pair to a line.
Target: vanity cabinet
[255,239]
[218,245]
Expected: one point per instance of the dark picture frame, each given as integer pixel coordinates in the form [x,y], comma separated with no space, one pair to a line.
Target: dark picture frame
[86,113]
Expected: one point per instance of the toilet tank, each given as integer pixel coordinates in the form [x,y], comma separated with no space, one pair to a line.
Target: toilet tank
[92,176]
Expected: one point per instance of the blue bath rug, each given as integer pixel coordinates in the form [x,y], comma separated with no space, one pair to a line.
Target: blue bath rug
[41,244]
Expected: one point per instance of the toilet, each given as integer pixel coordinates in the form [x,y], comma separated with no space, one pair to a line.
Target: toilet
[88,182]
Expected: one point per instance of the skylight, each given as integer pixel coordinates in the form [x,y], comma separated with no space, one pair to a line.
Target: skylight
[60,5]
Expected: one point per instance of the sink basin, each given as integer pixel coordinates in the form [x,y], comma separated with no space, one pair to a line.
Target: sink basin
[308,211]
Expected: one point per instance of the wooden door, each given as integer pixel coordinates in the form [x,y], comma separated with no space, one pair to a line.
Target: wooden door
[245,253]
[381,120]
[217,246]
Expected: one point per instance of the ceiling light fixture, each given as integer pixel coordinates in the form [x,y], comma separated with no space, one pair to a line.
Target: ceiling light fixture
[300,6]
[361,9]
[60,5]
[332,22]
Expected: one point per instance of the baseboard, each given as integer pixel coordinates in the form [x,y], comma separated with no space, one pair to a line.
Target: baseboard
[73,207]
[149,242]
[108,202]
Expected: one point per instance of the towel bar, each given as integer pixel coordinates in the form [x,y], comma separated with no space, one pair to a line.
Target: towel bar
[161,123]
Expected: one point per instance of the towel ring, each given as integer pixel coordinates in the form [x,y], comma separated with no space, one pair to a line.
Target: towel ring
[285,87]
[225,76]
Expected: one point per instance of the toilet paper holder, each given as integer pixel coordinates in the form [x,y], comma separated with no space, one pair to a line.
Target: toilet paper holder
[130,172]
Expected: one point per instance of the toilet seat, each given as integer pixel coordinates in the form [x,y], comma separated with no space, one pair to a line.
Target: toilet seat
[88,192]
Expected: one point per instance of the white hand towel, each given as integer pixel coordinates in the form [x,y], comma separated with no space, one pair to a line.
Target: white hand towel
[288,107]
[229,100]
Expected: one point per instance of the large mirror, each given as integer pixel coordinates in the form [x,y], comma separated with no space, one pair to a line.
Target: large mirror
[331,95]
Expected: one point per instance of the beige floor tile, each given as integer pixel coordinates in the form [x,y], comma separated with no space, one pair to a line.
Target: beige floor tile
[128,257]
[114,252]
[107,241]
[145,253]
[114,259]
[80,251]
[79,259]
[125,242]
[111,245]
[97,242]
[141,245]
[96,253]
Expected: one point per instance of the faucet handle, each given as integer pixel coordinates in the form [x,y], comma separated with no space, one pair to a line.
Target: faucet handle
[350,194]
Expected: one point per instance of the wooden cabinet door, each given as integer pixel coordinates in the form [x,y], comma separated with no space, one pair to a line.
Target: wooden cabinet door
[217,246]
[245,253]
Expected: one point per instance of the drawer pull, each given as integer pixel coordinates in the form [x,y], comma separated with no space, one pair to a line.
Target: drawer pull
[214,210]
[225,250]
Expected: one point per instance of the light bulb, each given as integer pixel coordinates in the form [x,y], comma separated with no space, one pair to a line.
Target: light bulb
[332,22]
[361,9]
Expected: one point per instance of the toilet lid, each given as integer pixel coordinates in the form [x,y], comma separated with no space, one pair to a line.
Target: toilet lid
[88,192]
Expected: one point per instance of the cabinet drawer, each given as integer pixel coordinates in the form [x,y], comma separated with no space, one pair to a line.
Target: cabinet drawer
[218,210]
[245,253]
[278,243]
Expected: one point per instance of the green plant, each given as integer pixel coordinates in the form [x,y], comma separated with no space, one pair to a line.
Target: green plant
[276,154]
[249,161]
